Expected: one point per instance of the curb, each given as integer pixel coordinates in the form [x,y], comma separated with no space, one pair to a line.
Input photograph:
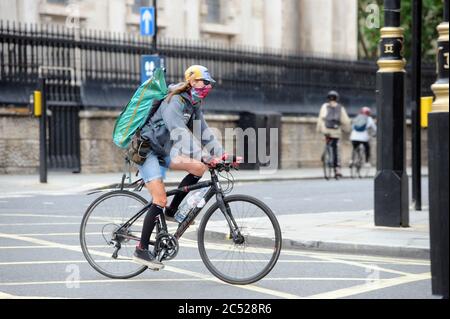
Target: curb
[361,249]
[345,248]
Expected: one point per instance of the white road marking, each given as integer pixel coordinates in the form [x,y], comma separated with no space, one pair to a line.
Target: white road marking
[5,296]
[207,278]
[371,286]
[168,268]
[48,203]
[94,281]
[40,215]
[48,224]
[24,247]
[54,234]
[8,296]
[247,287]
[51,262]
[361,259]
[365,266]
[376,284]
[16,196]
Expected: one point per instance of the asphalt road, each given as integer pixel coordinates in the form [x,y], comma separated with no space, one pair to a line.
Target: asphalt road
[40,255]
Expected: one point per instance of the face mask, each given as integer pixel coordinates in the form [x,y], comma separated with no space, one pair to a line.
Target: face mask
[199,94]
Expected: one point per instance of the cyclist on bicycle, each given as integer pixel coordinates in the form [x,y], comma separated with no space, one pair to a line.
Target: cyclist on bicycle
[332,120]
[361,125]
[173,145]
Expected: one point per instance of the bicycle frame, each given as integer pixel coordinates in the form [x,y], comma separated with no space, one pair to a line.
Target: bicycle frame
[214,189]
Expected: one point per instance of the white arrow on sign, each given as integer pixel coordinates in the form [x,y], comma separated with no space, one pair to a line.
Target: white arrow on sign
[147,17]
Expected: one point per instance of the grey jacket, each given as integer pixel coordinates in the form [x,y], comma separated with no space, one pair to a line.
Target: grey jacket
[179,128]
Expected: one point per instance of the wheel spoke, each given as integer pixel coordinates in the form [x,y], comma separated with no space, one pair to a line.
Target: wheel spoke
[100,224]
[240,262]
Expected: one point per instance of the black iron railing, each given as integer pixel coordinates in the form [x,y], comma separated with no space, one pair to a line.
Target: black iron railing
[100,69]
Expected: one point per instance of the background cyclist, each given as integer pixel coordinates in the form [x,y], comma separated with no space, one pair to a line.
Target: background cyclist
[332,120]
[361,125]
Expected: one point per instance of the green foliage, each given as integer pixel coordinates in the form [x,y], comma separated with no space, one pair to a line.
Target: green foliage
[368,38]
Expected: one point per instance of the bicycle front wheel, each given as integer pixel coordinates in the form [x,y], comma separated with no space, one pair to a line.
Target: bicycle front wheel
[356,164]
[100,240]
[246,259]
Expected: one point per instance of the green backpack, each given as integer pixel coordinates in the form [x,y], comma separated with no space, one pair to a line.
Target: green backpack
[142,105]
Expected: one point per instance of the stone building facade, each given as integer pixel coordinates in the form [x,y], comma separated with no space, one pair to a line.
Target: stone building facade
[319,27]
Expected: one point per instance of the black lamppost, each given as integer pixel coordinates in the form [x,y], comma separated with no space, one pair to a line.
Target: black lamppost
[416,150]
[391,180]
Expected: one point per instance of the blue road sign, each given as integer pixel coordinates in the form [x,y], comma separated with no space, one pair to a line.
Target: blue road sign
[148,65]
[148,21]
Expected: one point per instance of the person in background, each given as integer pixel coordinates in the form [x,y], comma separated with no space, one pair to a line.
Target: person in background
[361,125]
[332,120]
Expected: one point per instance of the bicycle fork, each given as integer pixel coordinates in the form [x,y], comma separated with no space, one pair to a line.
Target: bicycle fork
[235,233]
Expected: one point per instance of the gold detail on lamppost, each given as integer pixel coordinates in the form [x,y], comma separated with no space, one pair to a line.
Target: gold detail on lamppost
[396,63]
[392,32]
[440,90]
[389,48]
[443,32]
[391,65]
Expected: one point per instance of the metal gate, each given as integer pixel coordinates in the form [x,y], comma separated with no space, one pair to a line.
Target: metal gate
[63,120]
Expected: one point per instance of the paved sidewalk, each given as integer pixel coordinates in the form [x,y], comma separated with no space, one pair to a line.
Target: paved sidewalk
[355,232]
[343,232]
[66,182]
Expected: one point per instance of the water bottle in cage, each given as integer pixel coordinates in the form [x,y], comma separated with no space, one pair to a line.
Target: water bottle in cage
[192,200]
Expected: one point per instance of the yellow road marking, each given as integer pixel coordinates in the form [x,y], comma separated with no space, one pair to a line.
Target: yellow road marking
[371,286]
[169,268]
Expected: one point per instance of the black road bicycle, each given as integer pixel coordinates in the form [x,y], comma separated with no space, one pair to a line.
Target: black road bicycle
[239,238]
[327,158]
[358,160]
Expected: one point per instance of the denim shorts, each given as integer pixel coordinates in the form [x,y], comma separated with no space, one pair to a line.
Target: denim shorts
[152,169]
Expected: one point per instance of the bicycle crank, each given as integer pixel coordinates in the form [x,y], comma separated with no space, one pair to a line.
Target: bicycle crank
[166,247]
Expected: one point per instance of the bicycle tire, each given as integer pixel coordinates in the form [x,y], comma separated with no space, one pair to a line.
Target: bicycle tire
[86,250]
[275,250]
[326,164]
[353,166]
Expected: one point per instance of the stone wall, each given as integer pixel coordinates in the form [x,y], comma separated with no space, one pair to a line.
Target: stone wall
[19,142]
[301,146]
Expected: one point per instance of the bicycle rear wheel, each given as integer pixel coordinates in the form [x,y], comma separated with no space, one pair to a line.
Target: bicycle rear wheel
[327,164]
[99,239]
[247,259]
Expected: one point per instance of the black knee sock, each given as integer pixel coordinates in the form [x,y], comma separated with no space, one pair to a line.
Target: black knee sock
[178,198]
[149,224]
